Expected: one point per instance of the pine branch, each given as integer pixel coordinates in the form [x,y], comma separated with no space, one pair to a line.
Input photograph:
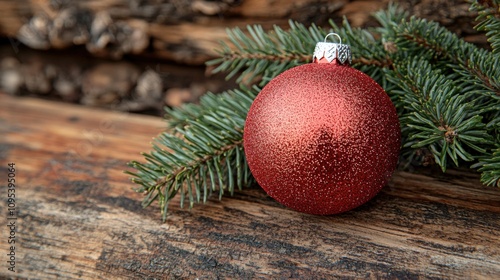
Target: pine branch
[436,115]
[265,54]
[471,70]
[490,168]
[434,42]
[209,102]
[489,20]
[203,156]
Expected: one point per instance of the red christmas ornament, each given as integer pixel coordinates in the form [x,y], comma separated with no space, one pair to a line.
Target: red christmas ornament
[322,138]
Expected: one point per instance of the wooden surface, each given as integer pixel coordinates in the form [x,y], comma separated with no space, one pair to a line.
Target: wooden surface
[181,30]
[188,31]
[78,216]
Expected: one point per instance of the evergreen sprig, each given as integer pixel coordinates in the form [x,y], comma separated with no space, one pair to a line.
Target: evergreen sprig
[489,166]
[474,79]
[446,91]
[421,38]
[264,54]
[203,153]
[437,116]
[489,20]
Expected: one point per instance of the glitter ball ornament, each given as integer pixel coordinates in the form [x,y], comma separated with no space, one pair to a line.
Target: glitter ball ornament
[322,138]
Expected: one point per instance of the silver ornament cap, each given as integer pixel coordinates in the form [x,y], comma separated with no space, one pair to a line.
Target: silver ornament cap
[328,52]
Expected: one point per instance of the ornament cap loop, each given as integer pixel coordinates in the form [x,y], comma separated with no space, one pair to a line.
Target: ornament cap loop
[335,34]
[326,52]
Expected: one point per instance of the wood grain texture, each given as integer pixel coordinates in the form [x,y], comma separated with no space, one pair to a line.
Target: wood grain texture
[187,31]
[80,218]
[179,30]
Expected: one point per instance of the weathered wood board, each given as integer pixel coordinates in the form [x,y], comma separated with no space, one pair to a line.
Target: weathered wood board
[78,217]
[188,32]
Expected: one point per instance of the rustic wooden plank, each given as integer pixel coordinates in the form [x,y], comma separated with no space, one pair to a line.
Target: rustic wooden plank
[182,31]
[78,216]
[187,31]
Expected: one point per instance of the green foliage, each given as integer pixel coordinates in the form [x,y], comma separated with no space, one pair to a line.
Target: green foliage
[436,115]
[489,166]
[489,20]
[446,91]
[264,54]
[203,154]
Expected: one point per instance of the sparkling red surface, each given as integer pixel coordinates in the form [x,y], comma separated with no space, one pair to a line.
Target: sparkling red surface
[322,138]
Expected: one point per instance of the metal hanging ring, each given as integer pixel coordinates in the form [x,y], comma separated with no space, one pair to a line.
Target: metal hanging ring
[335,34]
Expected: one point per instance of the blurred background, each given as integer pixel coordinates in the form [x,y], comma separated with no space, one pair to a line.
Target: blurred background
[142,55]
